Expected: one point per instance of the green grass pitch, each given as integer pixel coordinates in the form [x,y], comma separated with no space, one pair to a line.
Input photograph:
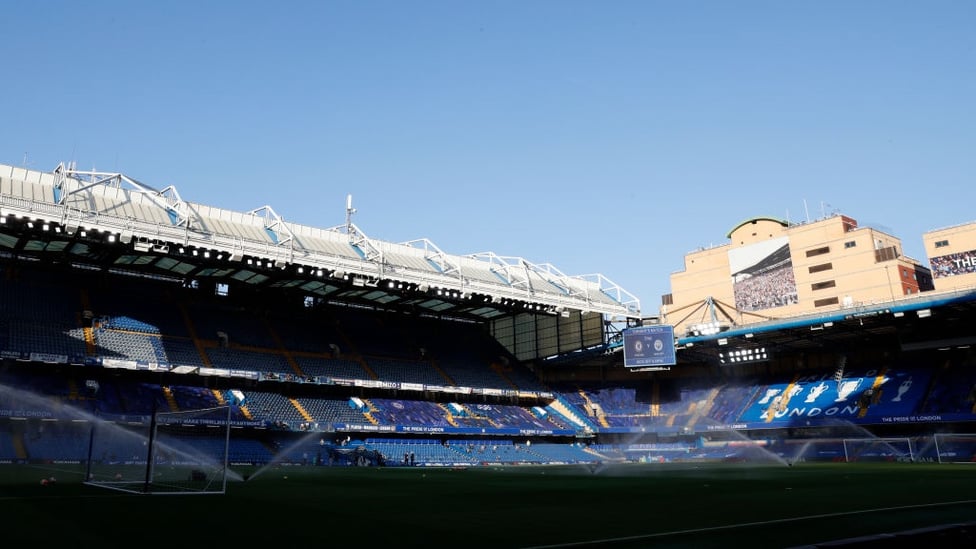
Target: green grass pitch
[666,505]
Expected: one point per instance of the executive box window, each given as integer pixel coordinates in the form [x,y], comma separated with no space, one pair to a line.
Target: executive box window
[941,243]
[823,285]
[822,267]
[818,251]
[825,302]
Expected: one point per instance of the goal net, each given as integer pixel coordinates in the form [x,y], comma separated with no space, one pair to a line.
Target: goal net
[878,449]
[175,453]
[955,447]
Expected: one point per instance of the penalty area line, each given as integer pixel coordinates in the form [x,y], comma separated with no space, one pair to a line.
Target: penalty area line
[638,537]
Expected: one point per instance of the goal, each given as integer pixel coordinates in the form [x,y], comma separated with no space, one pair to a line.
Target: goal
[955,447]
[181,452]
[878,449]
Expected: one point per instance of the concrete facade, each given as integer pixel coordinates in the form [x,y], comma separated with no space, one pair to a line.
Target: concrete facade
[772,269]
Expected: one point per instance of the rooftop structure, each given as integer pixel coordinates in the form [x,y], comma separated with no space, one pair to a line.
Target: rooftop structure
[111,219]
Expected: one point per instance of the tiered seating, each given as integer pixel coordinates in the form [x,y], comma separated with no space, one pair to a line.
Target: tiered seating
[463,354]
[144,321]
[409,412]
[471,373]
[562,453]
[143,307]
[248,450]
[60,441]
[237,359]
[498,451]
[425,452]
[955,392]
[241,327]
[417,371]
[731,401]
[142,398]
[508,416]
[8,451]
[35,396]
[521,377]
[180,351]
[689,409]
[327,411]
[126,345]
[51,337]
[330,367]
[304,333]
[654,452]
[861,395]
[375,335]
[273,409]
[193,398]
[128,324]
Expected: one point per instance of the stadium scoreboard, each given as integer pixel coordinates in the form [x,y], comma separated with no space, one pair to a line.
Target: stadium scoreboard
[650,347]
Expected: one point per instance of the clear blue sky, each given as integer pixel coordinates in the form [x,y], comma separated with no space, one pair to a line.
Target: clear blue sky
[601,137]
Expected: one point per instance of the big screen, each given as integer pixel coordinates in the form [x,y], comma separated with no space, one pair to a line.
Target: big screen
[646,346]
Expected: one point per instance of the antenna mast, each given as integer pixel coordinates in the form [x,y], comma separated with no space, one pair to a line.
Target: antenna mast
[349,211]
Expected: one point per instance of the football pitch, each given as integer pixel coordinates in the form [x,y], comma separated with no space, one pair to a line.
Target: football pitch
[626,506]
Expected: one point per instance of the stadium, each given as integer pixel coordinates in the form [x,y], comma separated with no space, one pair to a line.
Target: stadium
[806,379]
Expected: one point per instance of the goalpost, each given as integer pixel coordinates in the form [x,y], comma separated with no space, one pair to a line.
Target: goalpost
[879,449]
[182,452]
[955,447]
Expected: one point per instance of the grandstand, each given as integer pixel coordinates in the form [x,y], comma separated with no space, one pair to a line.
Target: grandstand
[333,349]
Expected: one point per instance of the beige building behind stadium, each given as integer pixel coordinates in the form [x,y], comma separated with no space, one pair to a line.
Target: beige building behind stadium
[952,255]
[772,269]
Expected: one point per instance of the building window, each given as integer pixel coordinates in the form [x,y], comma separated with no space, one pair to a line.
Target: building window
[941,243]
[823,285]
[818,251]
[821,267]
[850,244]
[667,299]
[825,302]
[885,254]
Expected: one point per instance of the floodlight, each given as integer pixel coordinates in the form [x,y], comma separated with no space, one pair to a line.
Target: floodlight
[743,355]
